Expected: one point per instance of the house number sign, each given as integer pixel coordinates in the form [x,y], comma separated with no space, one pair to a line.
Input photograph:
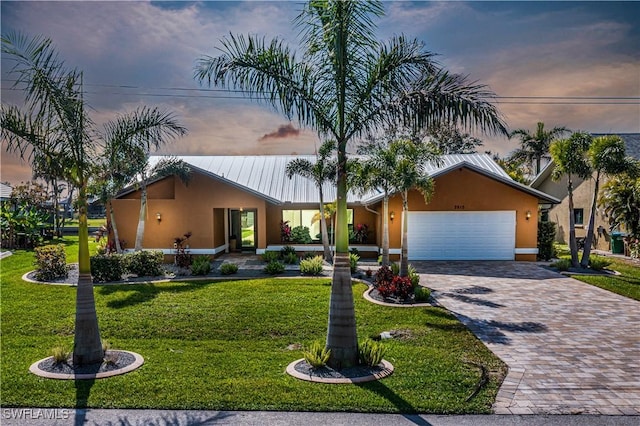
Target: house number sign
[458,207]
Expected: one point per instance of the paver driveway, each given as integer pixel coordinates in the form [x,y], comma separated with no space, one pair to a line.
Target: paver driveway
[570,347]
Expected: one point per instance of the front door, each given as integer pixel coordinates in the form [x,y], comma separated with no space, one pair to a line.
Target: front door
[243,227]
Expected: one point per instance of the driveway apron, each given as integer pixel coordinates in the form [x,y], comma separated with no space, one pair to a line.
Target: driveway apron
[570,347]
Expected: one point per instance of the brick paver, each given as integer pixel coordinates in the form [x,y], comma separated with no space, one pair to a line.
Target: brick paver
[570,347]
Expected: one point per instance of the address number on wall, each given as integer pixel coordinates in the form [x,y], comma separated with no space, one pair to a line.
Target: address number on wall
[458,207]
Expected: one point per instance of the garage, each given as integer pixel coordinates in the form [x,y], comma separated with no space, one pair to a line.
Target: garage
[468,235]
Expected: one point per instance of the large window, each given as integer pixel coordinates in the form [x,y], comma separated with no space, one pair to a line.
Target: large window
[310,219]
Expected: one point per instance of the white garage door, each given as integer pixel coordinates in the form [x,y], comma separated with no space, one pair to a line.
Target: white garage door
[462,235]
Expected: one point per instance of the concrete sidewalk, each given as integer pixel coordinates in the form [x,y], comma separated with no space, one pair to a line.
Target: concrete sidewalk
[50,417]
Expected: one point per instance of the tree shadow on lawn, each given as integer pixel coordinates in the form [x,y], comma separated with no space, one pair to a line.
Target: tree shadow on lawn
[407,410]
[83,390]
[142,293]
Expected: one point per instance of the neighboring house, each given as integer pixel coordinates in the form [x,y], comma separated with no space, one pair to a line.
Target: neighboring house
[582,199]
[477,211]
[5,192]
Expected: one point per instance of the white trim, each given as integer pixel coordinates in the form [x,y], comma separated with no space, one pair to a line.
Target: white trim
[526,250]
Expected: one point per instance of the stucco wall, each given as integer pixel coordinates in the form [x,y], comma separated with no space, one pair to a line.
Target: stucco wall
[185,209]
[466,190]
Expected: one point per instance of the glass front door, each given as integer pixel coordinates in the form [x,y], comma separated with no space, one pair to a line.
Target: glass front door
[243,228]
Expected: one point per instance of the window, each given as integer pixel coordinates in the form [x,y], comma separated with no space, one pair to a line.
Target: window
[310,219]
[578,216]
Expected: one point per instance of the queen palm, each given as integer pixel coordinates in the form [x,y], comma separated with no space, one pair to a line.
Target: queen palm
[533,147]
[323,170]
[54,101]
[345,84]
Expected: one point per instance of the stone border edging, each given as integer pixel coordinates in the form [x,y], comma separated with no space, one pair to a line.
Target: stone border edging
[386,372]
[368,297]
[137,363]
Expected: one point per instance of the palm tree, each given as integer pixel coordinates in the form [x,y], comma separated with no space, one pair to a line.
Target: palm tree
[533,147]
[606,156]
[346,84]
[569,157]
[129,147]
[54,101]
[620,199]
[323,170]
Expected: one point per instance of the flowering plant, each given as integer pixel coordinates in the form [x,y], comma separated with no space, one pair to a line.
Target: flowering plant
[285,231]
[361,232]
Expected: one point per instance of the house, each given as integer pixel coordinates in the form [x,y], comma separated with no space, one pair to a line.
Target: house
[239,203]
[5,192]
[582,199]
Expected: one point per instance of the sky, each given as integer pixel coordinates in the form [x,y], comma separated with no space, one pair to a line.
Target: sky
[573,64]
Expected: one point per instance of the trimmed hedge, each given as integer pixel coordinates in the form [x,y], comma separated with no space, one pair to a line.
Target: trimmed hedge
[107,267]
[51,262]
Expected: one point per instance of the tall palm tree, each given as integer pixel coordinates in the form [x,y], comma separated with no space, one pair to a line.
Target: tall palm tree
[346,84]
[620,199]
[569,157]
[606,156]
[54,100]
[534,147]
[323,170]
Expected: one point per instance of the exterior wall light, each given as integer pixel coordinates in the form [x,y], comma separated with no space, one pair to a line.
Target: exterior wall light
[392,216]
[528,214]
[159,217]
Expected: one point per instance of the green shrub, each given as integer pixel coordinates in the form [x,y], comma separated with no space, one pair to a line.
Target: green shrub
[144,263]
[269,256]
[546,238]
[228,268]
[395,268]
[311,266]
[106,268]
[414,277]
[60,355]
[353,262]
[201,265]
[370,353]
[421,294]
[562,264]
[598,263]
[287,250]
[290,258]
[300,235]
[354,250]
[51,262]
[274,268]
[317,355]
[309,255]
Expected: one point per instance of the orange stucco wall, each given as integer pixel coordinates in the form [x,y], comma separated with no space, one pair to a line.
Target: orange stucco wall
[198,208]
[466,190]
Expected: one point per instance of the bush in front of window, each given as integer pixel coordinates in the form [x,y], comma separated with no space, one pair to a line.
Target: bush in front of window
[300,235]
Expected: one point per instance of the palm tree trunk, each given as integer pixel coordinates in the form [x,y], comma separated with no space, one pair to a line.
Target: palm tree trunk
[323,230]
[141,219]
[87,346]
[404,260]
[342,338]
[573,248]
[115,229]
[385,230]
[592,219]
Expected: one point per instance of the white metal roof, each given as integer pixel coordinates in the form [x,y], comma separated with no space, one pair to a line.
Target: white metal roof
[5,191]
[265,176]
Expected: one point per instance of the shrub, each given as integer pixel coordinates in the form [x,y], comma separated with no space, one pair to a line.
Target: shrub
[598,263]
[228,268]
[290,258]
[60,355]
[546,237]
[414,277]
[399,287]
[270,256]
[370,353]
[317,355]
[383,275]
[201,265]
[274,268]
[144,263]
[51,262]
[309,255]
[562,264]
[353,262]
[300,235]
[311,266]
[284,251]
[395,268]
[421,294]
[354,250]
[106,268]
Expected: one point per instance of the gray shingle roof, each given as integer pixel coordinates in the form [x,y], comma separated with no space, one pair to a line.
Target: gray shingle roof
[264,175]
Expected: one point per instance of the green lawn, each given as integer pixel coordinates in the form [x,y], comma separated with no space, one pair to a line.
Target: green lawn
[224,345]
[93,223]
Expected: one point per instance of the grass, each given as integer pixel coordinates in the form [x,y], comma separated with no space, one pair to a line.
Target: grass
[93,223]
[225,346]
[626,284]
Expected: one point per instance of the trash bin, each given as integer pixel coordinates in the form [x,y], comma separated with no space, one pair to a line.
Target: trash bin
[617,243]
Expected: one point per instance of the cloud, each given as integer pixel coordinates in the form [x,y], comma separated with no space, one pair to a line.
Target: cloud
[283,132]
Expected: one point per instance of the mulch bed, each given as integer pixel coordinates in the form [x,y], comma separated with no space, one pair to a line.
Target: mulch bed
[346,373]
[118,360]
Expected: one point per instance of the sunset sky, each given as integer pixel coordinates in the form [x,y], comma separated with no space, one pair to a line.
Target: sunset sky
[573,64]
